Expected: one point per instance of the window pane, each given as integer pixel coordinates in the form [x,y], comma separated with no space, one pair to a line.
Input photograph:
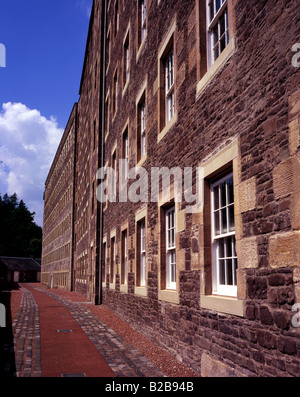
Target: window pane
[233,243]
[230,191]
[226,24]
[231,218]
[217,223]
[222,272]
[224,220]
[221,249]
[211,10]
[173,268]
[217,29]
[215,42]
[228,247]
[223,194]
[169,239]
[229,271]
[216,197]
[234,270]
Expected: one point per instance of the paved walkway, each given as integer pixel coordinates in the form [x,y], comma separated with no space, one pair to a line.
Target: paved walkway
[53,336]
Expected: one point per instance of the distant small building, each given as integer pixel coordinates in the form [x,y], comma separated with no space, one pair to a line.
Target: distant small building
[19,270]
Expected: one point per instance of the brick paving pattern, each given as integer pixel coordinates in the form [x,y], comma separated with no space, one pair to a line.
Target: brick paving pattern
[123,359]
[27,339]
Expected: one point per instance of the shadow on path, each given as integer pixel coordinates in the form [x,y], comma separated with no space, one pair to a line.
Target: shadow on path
[7,354]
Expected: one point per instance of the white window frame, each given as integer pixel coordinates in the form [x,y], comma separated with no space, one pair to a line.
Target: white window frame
[214,22]
[142,253]
[117,17]
[143,11]
[104,269]
[143,128]
[127,55]
[169,85]
[171,248]
[116,92]
[113,259]
[125,256]
[114,175]
[126,154]
[219,240]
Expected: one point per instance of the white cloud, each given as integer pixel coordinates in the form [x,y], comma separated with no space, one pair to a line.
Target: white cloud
[28,143]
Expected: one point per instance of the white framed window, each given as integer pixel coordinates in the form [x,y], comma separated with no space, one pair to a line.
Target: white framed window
[169,86]
[112,260]
[115,103]
[104,255]
[124,255]
[224,258]
[217,28]
[142,254]
[117,18]
[127,60]
[114,174]
[170,249]
[143,8]
[125,154]
[143,128]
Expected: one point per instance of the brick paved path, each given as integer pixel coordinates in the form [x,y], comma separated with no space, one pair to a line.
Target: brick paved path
[27,339]
[122,358]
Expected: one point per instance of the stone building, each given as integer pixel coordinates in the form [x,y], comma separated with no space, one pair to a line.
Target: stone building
[200,251]
[58,244]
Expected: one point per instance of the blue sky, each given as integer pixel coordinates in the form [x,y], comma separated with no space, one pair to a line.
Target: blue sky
[45,43]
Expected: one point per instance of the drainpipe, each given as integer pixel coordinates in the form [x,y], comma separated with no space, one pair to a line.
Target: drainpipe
[102,114]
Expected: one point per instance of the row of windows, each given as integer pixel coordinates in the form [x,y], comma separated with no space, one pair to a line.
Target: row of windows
[82,224]
[54,213]
[216,32]
[52,188]
[57,255]
[218,37]
[224,257]
[55,280]
[81,269]
[59,230]
[216,27]
[63,174]
[83,181]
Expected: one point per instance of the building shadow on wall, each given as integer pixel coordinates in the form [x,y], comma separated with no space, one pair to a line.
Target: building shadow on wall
[7,353]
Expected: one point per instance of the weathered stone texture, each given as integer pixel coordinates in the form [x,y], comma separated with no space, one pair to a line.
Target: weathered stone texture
[247,116]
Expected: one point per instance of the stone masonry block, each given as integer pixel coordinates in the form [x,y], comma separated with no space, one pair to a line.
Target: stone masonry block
[294,141]
[210,367]
[247,195]
[294,104]
[284,249]
[247,252]
[283,179]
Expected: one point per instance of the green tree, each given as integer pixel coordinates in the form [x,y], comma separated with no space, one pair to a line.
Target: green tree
[20,236]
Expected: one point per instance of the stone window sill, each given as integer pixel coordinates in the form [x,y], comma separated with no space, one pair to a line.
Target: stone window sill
[124,288]
[140,291]
[167,128]
[171,296]
[216,67]
[112,285]
[222,304]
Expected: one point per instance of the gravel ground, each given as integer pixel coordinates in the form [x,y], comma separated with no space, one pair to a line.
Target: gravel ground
[155,354]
